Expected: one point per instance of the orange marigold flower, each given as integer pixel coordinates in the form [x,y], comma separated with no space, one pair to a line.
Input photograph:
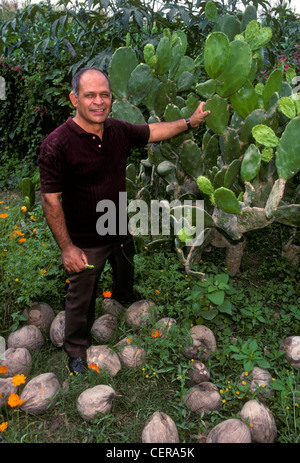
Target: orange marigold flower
[32,218]
[3,426]
[93,366]
[18,379]
[155,334]
[158,292]
[42,272]
[3,216]
[14,400]
[107,294]
[23,208]
[3,368]
[18,232]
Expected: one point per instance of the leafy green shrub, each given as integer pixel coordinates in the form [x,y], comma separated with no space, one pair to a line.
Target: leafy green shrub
[30,263]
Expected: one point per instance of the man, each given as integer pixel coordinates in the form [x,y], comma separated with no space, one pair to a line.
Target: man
[82,162]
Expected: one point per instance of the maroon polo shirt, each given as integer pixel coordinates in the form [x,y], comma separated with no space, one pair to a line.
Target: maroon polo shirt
[87,170]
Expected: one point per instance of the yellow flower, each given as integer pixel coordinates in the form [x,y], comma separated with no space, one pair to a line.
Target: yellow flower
[3,426]
[18,379]
[223,401]
[14,400]
[128,340]
[16,279]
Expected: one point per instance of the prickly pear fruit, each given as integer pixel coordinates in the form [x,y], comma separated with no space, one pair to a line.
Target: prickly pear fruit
[216,53]
[250,163]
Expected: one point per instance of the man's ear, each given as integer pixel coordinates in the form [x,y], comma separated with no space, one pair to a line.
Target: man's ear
[73,99]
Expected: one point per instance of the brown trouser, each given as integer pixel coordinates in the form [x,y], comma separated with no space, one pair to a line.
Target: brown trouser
[82,292]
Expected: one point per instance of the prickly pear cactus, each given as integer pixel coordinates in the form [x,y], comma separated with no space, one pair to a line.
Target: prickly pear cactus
[249,151]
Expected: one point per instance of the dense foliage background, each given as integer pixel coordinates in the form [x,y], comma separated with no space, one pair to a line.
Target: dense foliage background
[42,46]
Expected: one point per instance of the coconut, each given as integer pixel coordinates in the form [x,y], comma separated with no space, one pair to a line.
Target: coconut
[28,336]
[160,429]
[259,381]
[232,431]
[139,313]
[203,398]
[113,307]
[203,343]
[105,358]
[95,400]
[40,314]
[104,327]
[129,354]
[164,325]
[198,373]
[57,329]
[6,388]
[17,360]
[291,347]
[263,427]
[40,394]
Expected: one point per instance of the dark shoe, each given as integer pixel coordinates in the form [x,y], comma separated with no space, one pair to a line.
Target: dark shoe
[77,365]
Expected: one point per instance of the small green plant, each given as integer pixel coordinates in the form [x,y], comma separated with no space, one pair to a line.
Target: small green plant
[249,354]
[211,297]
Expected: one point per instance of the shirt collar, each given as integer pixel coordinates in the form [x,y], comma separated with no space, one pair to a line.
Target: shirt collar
[79,130]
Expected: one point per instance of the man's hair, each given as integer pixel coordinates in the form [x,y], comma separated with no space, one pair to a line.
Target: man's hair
[77,76]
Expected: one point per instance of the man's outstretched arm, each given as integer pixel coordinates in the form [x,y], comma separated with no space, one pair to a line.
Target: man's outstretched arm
[164,130]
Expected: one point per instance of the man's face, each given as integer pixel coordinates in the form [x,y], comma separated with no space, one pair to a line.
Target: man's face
[93,103]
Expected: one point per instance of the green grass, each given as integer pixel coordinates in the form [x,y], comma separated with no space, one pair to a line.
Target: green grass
[264,300]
